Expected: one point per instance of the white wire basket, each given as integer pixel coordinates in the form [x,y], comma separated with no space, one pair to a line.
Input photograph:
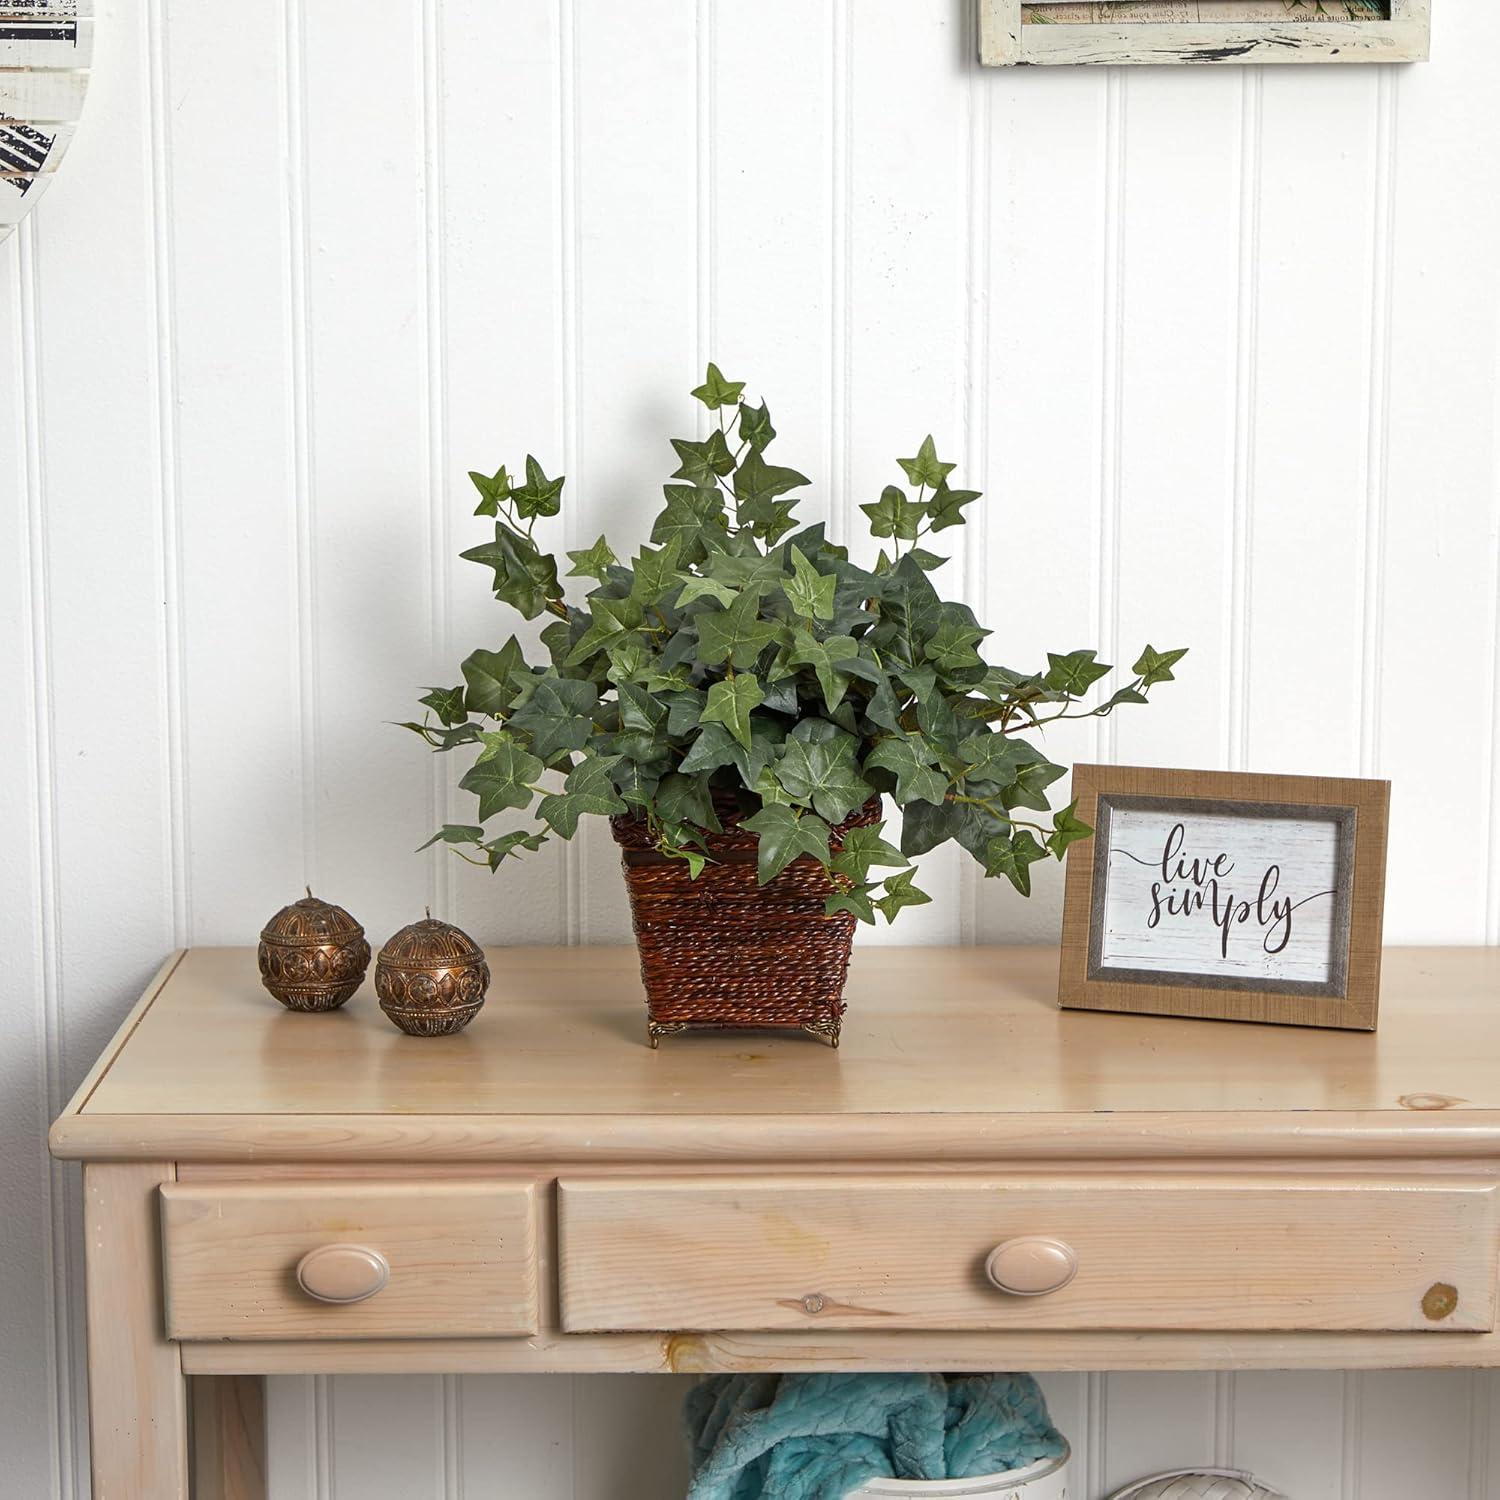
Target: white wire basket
[1047,1480]
[1198,1484]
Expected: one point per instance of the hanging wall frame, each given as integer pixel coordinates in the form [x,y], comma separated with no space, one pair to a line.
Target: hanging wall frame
[45,50]
[1112,32]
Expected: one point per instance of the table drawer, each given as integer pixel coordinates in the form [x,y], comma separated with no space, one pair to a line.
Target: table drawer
[906,1252]
[413,1260]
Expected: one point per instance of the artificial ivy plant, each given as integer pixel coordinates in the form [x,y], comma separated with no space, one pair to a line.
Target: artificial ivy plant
[740,661]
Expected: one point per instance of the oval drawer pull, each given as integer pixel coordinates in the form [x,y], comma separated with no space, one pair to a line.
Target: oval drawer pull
[342,1273]
[1032,1265]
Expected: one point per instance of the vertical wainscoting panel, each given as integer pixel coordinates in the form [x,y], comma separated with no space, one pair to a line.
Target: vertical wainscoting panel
[28,1312]
[907,278]
[517,1437]
[1321,290]
[1287,1426]
[1154,1422]
[768,294]
[368,469]
[387,1436]
[1169,387]
[1414,1434]
[636,269]
[627,1435]
[1439,534]
[1049,149]
[112,892]
[497,372]
[223,186]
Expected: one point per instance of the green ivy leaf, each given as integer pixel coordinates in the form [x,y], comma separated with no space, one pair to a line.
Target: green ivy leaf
[926,468]
[1067,829]
[615,622]
[730,703]
[734,634]
[539,496]
[502,775]
[951,648]
[587,791]
[824,775]
[1074,673]
[703,462]
[856,901]
[829,660]
[1030,786]
[490,678]
[996,757]
[862,849]
[716,391]
[494,490]
[783,835]
[447,704]
[757,483]
[687,800]
[1156,666]
[899,893]
[592,562]
[512,843]
[558,716]
[525,578]
[656,572]
[694,515]
[1012,855]
[755,427]
[946,508]
[454,833]
[695,588]
[895,515]
[809,592]
[909,758]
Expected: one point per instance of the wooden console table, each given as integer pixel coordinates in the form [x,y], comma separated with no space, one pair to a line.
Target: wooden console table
[544,1192]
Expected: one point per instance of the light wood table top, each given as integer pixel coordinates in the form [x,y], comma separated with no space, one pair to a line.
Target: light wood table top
[948,1053]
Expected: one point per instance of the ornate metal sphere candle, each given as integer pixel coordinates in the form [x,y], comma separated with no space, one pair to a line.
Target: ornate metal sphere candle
[313,955]
[431,978]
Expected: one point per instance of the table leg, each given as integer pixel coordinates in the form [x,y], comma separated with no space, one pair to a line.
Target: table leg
[137,1398]
[229,1437]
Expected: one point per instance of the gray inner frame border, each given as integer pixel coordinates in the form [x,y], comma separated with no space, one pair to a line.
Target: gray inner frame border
[1335,986]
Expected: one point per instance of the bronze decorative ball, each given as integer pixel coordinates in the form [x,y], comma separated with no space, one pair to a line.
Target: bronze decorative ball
[313,955]
[431,978]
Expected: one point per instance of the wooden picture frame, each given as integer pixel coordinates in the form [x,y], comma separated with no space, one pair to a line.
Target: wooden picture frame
[1017,32]
[1224,857]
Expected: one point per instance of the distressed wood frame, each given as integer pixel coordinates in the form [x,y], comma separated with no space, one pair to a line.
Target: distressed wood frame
[1350,1000]
[1005,42]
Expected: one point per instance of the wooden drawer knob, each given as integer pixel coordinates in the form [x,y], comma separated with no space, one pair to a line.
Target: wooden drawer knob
[1032,1265]
[342,1273]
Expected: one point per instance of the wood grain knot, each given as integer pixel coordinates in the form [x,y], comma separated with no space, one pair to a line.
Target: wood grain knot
[1429,1101]
[814,1302]
[1440,1301]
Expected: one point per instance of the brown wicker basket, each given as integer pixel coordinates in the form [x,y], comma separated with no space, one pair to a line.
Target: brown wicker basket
[722,951]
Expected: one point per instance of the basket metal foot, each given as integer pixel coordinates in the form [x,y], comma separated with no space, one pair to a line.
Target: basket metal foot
[656,1030]
[828,1029]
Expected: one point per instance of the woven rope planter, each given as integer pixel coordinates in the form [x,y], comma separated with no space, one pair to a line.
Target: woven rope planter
[723,952]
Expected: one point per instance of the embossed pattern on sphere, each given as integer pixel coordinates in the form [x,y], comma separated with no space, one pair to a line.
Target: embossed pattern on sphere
[431,978]
[313,955]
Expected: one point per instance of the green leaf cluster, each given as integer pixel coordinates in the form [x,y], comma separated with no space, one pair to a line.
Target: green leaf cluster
[742,664]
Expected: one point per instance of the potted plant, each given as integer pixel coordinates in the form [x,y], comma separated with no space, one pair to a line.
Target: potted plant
[739,699]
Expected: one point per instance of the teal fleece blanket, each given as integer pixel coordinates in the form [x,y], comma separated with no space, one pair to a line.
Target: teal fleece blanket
[817,1437]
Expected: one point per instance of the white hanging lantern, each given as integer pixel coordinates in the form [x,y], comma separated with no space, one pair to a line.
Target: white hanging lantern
[45,50]
[1198,1484]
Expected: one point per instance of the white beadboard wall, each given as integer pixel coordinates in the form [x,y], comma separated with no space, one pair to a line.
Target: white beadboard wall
[1222,346]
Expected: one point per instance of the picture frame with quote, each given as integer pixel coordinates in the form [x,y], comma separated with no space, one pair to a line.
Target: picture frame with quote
[1226,895]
